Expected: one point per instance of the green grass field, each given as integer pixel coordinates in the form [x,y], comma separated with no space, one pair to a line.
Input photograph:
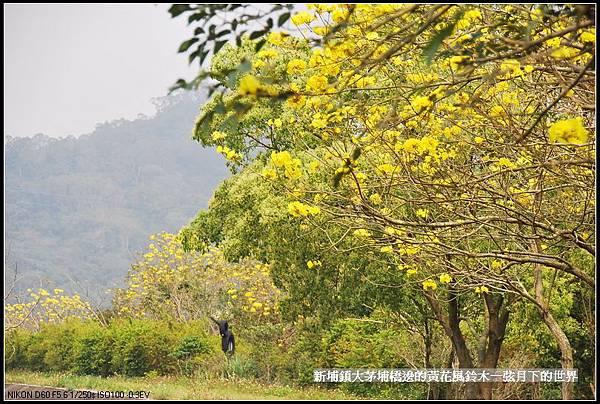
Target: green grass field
[178,387]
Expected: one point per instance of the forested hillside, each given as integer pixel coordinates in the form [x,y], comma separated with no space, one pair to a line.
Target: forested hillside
[78,209]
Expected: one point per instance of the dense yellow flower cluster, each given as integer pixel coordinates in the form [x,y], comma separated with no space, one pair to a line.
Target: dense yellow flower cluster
[292,167]
[422,213]
[296,66]
[297,209]
[277,38]
[568,131]
[588,36]
[429,284]
[229,154]
[166,282]
[217,136]
[46,307]
[362,233]
[386,249]
[269,173]
[420,103]
[312,264]
[249,85]
[303,17]
[481,289]
[316,83]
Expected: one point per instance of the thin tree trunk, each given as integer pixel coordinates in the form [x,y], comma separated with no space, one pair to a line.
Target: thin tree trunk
[564,345]
[497,316]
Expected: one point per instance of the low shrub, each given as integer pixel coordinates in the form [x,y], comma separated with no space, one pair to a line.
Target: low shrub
[93,352]
[125,347]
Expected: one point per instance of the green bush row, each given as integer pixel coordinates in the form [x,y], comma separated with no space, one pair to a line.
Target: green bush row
[265,352]
[125,347]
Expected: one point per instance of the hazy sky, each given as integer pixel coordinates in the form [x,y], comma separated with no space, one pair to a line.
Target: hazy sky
[70,66]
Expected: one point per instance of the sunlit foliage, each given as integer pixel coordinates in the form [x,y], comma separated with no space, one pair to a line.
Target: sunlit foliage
[170,283]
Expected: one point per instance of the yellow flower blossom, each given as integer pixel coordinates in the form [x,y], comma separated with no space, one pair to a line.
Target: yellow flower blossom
[568,131]
[422,213]
[216,136]
[281,159]
[363,233]
[456,62]
[387,249]
[339,15]
[316,83]
[372,35]
[313,264]
[267,54]
[303,17]
[481,289]
[564,52]
[588,36]
[277,38]
[420,103]
[497,111]
[277,123]
[249,85]
[375,198]
[298,209]
[296,66]
[429,284]
[269,173]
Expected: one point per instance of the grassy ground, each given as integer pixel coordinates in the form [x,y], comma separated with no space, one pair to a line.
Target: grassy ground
[178,387]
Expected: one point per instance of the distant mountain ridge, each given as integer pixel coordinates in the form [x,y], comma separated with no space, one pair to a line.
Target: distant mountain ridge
[78,209]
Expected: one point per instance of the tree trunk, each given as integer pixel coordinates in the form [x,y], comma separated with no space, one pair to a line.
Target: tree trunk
[566,359]
[452,329]
[564,345]
[497,316]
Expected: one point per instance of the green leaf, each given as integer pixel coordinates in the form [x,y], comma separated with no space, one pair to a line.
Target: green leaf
[283,19]
[220,108]
[257,34]
[193,56]
[245,66]
[336,179]
[259,45]
[221,33]
[196,17]
[203,125]
[430,50]
[185,46]
[203,56]
[219,45]
[241,107]
[177,9]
